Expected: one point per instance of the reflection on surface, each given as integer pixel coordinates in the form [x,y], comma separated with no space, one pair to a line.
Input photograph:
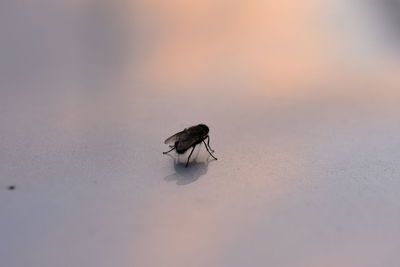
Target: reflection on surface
[183,175]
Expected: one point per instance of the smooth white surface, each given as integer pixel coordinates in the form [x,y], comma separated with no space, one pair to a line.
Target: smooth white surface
[306,131]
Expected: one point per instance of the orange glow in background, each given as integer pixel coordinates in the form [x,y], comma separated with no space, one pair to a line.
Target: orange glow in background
[275,47]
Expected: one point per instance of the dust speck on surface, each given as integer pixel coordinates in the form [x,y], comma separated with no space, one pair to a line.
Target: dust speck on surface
[11,187]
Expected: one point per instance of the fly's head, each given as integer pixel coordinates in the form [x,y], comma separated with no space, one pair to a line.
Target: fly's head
[204,128]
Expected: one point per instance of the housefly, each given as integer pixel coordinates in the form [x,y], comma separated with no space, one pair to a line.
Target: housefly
[190,138]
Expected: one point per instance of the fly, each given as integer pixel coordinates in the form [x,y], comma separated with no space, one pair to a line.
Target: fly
[190,138]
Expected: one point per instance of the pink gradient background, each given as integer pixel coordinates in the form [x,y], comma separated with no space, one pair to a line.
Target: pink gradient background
[303,103]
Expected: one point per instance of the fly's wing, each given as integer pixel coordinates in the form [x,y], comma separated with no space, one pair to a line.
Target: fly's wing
[174,138]
[188,139]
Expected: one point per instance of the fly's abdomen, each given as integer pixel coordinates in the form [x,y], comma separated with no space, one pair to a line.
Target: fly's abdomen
[180,150]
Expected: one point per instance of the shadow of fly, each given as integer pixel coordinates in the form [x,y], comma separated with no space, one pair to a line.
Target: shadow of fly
[190,138]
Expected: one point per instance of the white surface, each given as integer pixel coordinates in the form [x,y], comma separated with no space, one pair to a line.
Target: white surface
[306,131]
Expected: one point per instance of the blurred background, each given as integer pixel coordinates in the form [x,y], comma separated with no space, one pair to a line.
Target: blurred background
[303,103]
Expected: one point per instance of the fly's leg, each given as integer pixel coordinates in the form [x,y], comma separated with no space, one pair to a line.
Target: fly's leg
[209,150]
[208,144]
[166,152]
[187,162]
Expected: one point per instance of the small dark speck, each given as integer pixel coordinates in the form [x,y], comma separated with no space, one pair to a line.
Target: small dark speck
[11,187]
